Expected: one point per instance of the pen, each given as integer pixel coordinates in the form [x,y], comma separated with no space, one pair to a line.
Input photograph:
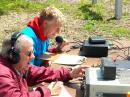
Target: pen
[54,83]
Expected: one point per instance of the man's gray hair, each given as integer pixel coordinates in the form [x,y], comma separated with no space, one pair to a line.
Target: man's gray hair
[20,43]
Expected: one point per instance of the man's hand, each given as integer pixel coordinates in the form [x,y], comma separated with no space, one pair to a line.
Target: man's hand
[61,45]
[78,71]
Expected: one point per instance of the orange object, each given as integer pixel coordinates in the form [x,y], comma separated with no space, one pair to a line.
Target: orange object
[128,94]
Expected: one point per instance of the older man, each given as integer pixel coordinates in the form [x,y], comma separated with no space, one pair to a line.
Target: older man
[16,74]
[41,29]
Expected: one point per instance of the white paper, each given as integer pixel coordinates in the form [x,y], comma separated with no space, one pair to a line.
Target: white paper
[64,93]
[70,59]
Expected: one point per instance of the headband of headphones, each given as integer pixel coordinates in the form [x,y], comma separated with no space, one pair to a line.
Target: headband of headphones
[14,37]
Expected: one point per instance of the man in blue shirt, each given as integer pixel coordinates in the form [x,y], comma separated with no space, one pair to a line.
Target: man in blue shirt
[41,29]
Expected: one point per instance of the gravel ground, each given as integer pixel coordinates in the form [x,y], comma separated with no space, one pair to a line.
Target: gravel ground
[13,22]
[16,21]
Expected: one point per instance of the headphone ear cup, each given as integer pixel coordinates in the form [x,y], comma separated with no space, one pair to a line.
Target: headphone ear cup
[14,56]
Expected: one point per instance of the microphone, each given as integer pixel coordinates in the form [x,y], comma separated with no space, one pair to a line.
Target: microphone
[59,39]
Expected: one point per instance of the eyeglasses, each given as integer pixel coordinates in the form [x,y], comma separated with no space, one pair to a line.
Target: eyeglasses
[29,53]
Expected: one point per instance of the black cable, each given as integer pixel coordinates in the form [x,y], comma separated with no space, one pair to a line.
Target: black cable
[125,50]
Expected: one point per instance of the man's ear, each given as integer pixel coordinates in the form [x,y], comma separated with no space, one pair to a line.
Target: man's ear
[44,24]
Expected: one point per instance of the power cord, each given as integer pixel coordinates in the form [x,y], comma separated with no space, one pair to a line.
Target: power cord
[126,50]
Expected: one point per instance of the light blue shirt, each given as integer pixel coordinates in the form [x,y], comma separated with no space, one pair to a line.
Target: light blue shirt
[40,47]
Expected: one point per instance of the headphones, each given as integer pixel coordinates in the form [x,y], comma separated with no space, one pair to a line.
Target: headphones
[14,56]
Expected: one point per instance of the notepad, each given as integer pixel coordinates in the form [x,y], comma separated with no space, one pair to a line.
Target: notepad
[67,59]
[58,89]
[63,93]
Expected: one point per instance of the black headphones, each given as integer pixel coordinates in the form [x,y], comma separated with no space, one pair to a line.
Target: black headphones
[14,56]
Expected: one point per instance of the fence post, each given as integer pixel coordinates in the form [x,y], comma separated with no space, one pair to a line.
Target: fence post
[118,9]
[94,1]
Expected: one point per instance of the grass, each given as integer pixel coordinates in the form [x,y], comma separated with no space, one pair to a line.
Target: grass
[100,17]
[18,5]
[32,5]
[108,28]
